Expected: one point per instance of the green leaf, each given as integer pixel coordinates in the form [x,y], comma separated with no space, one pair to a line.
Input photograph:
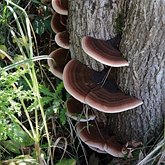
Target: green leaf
[59,89]
[4,48]
[3,129]
[62,115]
[46,91]
[47,24]
[11,146]
[19,136]
[37,2]
[38,25]
[67,162]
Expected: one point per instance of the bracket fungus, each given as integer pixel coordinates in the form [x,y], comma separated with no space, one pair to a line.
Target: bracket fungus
[78,82]
[103,51]
[62,39]
[97,150]
[96,138]
[78,112]
[56,24]
[63,19]
[111,102]
[59,59]
[60,6]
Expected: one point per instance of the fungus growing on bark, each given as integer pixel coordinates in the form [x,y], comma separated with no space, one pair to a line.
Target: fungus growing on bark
[96,138]
[59,59]
[97,150]
[78,82]
[111,102]
[77,79]
[63,19]
[60,6]
[56,24]
[77,111]
[103,51]
[62,39]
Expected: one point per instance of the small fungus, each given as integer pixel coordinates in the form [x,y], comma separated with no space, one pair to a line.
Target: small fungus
[59,59]
[60,6]
[56,24]
[62,39]
[77,111]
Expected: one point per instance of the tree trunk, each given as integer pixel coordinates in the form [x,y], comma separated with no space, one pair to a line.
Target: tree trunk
[142,45]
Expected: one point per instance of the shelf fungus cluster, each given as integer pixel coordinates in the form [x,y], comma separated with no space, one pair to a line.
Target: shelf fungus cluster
[97,138]
[88,87]
[60,56]
[80,83]
[92,133]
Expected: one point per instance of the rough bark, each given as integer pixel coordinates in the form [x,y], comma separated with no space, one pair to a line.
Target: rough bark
[142,44]
[93,18]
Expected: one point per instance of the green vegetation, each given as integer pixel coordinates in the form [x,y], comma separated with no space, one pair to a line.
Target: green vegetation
[27,101]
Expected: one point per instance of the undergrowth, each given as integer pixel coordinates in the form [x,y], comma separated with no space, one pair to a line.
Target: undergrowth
[29,105]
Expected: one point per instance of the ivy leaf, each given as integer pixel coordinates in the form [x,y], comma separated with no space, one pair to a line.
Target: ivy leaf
[39,26]
[47,24]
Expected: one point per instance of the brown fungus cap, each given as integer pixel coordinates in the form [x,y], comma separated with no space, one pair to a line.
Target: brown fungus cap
[59,59]
[114,148]
[111,102]
[78,82]
[60,6]
[103,51]
[77,79]
[97,150]
[62,39]
[63,19]
[96,138]
[77,111]
[91,135]
[56,24]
